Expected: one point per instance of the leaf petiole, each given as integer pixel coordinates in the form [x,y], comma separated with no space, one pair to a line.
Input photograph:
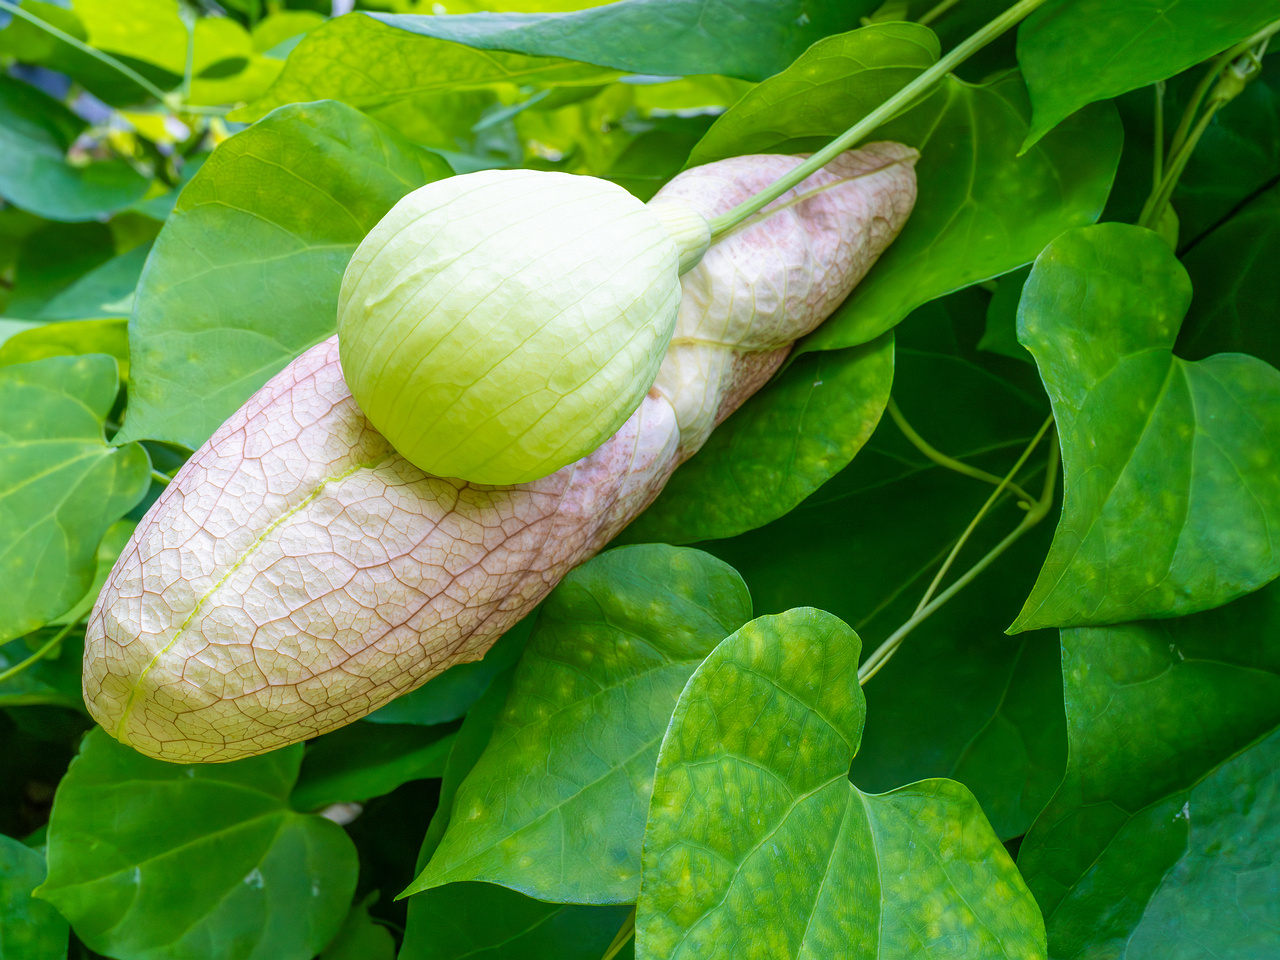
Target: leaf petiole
[882,654]
[17,668]
[625,933]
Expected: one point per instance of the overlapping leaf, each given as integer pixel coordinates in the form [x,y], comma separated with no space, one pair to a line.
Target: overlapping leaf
[30,929]
[1075,52]
[154,860]
[981,210]
[1172,495]
[61,485]
[751,39]
[555,807]
[758,845]
[35,133]
[783,444]
[245,274]
[1160,841]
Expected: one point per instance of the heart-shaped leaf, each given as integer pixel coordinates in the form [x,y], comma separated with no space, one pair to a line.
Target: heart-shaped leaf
[1161,840]
[245,274]
[1172,493]
[61,485]
[152,860]
[555,806]
[758,846]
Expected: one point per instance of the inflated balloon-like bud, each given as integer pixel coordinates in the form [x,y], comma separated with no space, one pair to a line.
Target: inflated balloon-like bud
[499,325]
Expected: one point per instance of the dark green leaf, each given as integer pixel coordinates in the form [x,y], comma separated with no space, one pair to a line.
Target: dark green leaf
[61,485]
[360,938]
[105,291]
[555,806]
[980,211]
[758,845]
[54,680]
[53,258]
[245,274]
[449,696]
[362,760]
[35,134]
[1074,52]
[30,929]
[1237,286]
[784,443]
[372,66]
[1161,841]
[1172,491]
[1001,335]
[156,860]
[751,39]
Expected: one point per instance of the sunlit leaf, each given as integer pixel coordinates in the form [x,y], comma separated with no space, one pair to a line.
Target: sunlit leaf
[1172,491]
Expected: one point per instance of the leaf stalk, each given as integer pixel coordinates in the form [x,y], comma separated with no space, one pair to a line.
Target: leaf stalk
[18,668]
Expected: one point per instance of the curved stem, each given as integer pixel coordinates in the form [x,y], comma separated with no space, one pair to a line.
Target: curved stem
[161,478]
[914,90]
[934,13]
[886,650]
[17,668]
[627,931]
[951,463]
[83,47]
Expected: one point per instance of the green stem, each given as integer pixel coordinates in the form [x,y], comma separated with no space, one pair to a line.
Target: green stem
[933,14]
[627,931]
[189,23]
[83,47]
[886,650]
[1006,481]
[161,478]
[1157,152]
[951,463]
[917,88]
[38,655]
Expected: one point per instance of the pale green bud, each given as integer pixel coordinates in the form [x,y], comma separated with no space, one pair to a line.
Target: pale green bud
[499,325]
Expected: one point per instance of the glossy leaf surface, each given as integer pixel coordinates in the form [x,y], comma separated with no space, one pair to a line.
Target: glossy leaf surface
[1160,841]
[152,860]
[35,134]
[753,774]
[981,209]
[1100,313]
[245,274]
[780,446]
[555,807]
[1074,52]
[61,485]
[30,929]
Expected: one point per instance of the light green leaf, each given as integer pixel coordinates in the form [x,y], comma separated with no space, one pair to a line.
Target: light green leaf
[448,696]
[1074,52]
[1161,840]
[105,291]
[73,338]
[751,39]
[369,65]
[758,845]
[784,443]
[35,133]
[152,860]
[1172,492]
[980,211]
[30,929]
[61,485]
[110,547]
[555,806]
[245,274]
[361,761]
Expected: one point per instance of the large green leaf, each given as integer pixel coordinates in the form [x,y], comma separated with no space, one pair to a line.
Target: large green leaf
[30,929]
[980,211]
[466,920]
[105,291]
[555,806]
[758,845]
[1074,52]
[784,443]
[35,133]
[53,258]
[73,338]
[1161,841]
[61,485]
[372,66]
[958,700]
[245,274]
[1172,494]
[751,39]
[156,860]
[363,760]
[1236,286]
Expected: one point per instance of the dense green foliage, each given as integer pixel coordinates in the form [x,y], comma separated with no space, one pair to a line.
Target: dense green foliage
[1068,743]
